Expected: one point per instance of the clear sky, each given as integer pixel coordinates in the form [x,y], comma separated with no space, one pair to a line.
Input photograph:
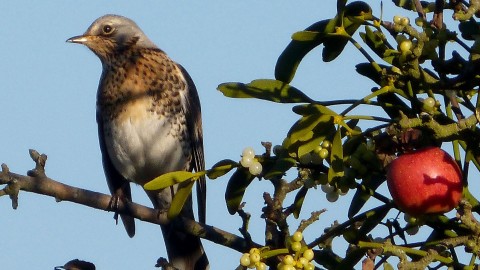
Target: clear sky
[47,103]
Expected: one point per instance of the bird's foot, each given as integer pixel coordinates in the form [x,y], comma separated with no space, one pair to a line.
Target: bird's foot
[164,264]
[115,204]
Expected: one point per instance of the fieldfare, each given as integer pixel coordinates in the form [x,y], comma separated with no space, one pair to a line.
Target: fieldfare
[149,124]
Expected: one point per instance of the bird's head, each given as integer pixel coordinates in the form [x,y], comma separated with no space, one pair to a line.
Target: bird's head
[111,34]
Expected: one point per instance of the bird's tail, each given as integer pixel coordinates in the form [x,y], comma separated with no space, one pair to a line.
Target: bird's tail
[185,251]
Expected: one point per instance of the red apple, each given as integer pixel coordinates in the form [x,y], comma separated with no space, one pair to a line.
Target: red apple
[425,181]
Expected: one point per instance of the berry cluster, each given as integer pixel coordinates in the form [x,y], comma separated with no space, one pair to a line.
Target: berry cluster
[249,161]
[252,260]
[302,258]
[332,193]
[317,156]
[297,256]
[402,21]
[404,44]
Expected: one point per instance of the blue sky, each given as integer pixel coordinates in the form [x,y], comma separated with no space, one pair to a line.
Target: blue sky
[48,103]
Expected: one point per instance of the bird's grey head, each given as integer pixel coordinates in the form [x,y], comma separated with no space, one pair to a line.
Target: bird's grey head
[110,34]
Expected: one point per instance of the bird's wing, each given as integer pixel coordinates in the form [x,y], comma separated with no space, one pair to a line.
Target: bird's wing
[118,185]
[194,127]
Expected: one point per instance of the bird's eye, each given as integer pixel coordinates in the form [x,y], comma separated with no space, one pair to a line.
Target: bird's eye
[107,29]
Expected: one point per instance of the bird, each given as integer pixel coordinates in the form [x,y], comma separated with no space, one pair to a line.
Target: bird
[149,123]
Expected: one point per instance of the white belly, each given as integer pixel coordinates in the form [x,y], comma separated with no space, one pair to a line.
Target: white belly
[143,148]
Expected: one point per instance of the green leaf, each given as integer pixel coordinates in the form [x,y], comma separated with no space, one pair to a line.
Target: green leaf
[358,10]
[364,193]
[374,217]
[309,145]
[236,187]
[468,196]
[354,255]
[348,126]
[221,168]
[394,112]
[170,179]
[298,202]
[271,90]
[307,36]
[393,104]
[352,144]
[334,47]
[354,14]
[336,169]
[181,196]
[409,5]
[376,41]
[281,165]
[327,258]
[350,234]
[387,266]
[302,130]
[307,133]
[367,70]
[341,6]
[310,109]
[469,29]
[293,54]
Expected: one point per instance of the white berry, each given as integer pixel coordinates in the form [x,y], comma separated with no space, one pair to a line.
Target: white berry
[247,161]
[255,257]
[296,246]
[288,260]
[327,188]
[254,250]
[404,21]
[248,152]
[303,261]
[255,168]
[405,45]
[397,19]
[308,254]
[297,236]
[245,260]
[332,196]
[309,266]
[413,230]
[261,266]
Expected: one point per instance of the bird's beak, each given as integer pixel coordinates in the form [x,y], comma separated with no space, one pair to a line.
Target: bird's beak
[78,39]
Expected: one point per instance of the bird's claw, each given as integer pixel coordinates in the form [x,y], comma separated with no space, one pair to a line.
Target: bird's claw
[114,205]
[164,264]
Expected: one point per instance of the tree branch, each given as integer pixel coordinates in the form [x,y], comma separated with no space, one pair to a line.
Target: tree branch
[37,182]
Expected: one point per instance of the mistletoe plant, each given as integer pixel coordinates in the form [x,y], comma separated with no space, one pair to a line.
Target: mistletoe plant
[430,100]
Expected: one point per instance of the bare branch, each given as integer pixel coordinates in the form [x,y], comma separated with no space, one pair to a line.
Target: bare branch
[37,182]
[437,21]
[419,8]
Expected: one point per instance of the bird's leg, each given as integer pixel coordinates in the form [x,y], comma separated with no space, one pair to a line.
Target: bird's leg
[115,203]
[113,206]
